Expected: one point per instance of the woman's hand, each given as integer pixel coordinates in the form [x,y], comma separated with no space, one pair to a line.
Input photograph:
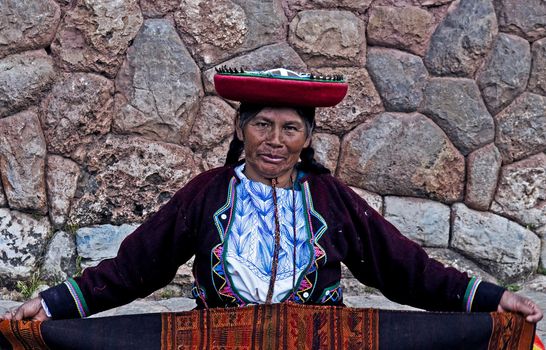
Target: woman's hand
[517,303]
[30,310]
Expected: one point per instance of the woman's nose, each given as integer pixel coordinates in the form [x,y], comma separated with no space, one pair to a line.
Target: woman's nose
[274,136]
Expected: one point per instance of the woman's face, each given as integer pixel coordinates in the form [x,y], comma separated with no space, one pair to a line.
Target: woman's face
[273,141]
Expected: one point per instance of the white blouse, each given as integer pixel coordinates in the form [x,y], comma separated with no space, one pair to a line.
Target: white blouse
[250,241]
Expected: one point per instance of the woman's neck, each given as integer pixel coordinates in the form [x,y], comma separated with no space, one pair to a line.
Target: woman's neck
[285,180]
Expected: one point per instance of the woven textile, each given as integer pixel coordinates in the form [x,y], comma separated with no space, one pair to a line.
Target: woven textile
[277,326]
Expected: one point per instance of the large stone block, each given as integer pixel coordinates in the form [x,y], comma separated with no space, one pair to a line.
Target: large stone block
[100,242]
[502,247]
[217,30]
[214,124]
[523,18]
[22,162]
[482,171]
[78,109]
[361,103]
[402,154]
[129,178]
[456,106]
[22,242]
[521,192]
[158,87]
[264,58]
[462,40]
[326,148]
[23,79]
[328,38]
[423,221]
[399,77]
[407,28]
[62,179]
[214,157]
[60,258]
[521,128]
[212,132]
[505,74]
[93,35]
[537,81]
[27,25]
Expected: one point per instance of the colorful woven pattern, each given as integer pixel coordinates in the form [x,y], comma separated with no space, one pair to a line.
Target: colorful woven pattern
[278,326]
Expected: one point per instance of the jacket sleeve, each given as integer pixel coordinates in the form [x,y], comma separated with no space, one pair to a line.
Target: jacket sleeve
[378,255]
[147,260]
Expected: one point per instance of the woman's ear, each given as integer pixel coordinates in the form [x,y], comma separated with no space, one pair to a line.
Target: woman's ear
[307,141]
[238,130]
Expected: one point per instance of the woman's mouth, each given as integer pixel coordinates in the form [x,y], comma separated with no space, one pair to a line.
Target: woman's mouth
[271,158]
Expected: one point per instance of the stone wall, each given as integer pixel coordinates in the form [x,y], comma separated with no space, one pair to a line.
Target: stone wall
[108,107]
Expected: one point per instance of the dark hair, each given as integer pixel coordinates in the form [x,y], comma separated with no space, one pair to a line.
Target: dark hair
[248,111]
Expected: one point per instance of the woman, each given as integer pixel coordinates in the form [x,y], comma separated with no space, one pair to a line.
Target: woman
[271,229]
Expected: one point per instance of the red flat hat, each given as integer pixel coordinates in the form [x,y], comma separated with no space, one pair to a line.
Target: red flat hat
[280,87]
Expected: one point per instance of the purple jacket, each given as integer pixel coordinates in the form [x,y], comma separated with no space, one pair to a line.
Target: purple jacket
[342,227]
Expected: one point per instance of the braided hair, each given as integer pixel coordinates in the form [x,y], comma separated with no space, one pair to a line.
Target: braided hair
[248,111]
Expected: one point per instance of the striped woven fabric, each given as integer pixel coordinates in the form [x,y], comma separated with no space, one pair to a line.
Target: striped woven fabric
[277,326]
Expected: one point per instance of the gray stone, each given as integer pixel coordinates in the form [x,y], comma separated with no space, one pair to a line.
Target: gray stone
[158,87]
[97,243]
[537,81]
[361,103]
[328,38]
[62,179]
[505,74]
[326,148]
[27,25]
[452,259]
[523,18]
[22,242]
[23,79]
[399,77]
[402,154]
[456,106]
[216,30]
[94,35]
[462,39]
[78,109]
[521,128]
[502,247]
[264,58]
[60,258]
[423,221]
[373,199]
[521,192]
[482,171]
[407,28]
[128,178]
[22,162]
[214,124]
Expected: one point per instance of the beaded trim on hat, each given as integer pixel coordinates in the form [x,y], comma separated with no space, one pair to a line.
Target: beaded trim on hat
[281,73]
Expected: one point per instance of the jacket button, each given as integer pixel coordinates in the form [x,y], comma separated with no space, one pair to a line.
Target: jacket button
[306,295]
[223,216]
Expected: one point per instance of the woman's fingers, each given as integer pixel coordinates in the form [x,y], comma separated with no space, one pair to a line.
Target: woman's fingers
[517,303]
